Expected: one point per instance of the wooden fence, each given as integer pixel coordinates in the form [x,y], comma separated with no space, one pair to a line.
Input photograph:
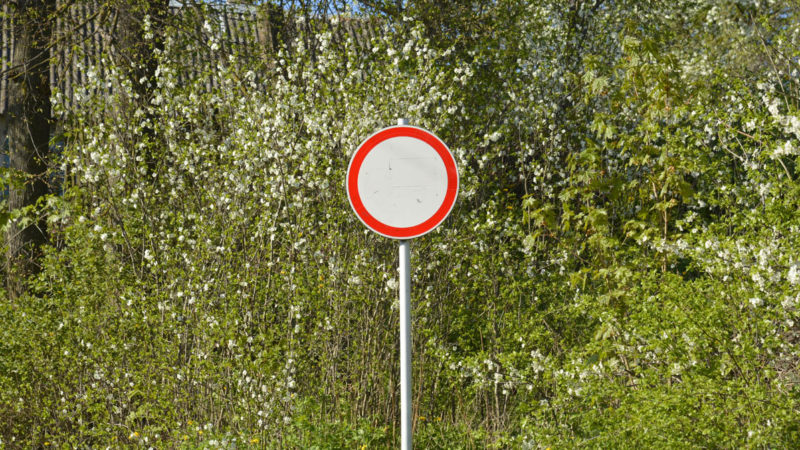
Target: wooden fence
[81,36]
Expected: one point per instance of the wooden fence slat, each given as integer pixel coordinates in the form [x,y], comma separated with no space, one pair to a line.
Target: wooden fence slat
[247,31]
[5,55]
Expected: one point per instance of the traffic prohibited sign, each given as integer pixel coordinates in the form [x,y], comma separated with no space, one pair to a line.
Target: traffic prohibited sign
[402,182]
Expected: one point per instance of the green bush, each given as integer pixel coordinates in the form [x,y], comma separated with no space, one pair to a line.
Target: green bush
[620,269]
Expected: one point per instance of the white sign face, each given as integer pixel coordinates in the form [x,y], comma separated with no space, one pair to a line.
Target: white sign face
[402,182]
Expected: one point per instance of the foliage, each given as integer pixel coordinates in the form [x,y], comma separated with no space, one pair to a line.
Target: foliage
[620,269]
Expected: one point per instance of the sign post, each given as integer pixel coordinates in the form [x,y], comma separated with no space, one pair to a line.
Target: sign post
[405,345]
[404,270]
[402,182]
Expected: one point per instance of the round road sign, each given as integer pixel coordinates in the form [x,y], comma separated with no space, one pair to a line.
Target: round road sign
[402,182]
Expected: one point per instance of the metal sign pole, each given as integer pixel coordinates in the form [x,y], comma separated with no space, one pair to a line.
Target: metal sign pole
[405,345]
[405,339]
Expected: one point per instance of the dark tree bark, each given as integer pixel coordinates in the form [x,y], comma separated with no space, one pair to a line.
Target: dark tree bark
[132,50]
[29,124]
[137,35]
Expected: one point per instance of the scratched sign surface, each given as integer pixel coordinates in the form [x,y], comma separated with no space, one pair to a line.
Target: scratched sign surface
[402,182]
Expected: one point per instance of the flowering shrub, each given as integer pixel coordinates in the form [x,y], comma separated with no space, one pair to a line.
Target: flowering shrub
[620,268]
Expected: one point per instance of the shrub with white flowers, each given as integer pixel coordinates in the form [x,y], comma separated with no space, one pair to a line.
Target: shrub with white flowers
[620,269]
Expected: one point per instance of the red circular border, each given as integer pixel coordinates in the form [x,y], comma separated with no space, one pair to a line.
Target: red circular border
[449,198]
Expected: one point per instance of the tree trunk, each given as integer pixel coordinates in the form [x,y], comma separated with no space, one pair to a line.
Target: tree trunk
[137,36]
[28,134]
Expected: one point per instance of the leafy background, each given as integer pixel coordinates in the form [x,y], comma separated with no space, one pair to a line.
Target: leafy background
[620,269]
